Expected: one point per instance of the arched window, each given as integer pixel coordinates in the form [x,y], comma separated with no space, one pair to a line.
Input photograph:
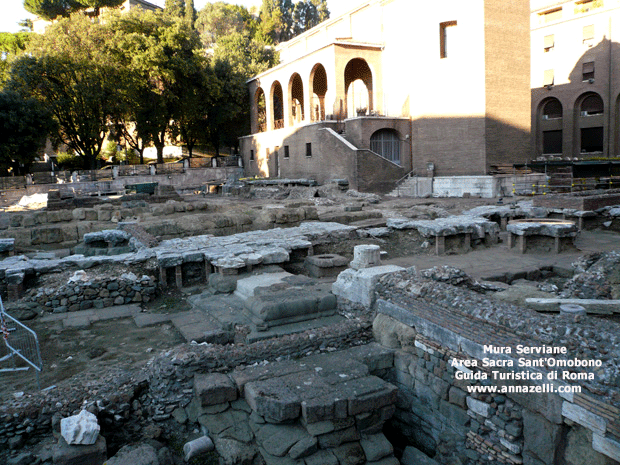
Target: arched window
[318,89]
[592,105]
[296,97]
[278,105]
[261,111]
[385,142]
[591,124]
[552,109]
[550,128]
[358,88]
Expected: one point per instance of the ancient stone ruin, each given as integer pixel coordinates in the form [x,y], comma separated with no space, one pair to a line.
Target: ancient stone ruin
[305,332]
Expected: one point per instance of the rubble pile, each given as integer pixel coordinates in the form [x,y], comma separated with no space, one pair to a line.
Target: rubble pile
[597,276]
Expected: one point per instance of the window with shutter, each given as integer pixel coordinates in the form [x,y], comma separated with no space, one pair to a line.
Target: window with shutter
[588,71]
[549,42]
[588,35]
[550,15]
[548,78]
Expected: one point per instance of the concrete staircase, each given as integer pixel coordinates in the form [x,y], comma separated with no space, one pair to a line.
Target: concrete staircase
[413,186]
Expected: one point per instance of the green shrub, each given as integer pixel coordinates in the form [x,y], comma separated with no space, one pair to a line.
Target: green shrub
[69,162]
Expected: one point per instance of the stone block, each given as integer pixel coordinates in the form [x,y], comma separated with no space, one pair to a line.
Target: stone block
[323,408]
[457,396]
[143,454]
[81,429]
[374,356]
[304,448]
[322,457]
[540,437]
[325,265]
[350,454]
[376,447]
[218,423]
[336,438]
[324,427]
[478,407]
[104,215]
[65,215]
[359,286]
[279,439]
[584,418]
[606,446]
[233,452]
[412,456]
[65,454]
[78,214]
[369,394]
[454,413]
[272,400]
[47,235]
[214,388]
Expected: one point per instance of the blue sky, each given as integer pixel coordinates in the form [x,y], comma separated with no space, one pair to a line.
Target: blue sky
[12,11]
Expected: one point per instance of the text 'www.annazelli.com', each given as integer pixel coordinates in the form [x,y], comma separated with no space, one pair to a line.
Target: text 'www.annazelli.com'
[541,388]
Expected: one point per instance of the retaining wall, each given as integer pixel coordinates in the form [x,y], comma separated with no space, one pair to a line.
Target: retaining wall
[439,410]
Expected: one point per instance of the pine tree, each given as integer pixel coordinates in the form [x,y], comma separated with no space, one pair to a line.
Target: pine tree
[190,13]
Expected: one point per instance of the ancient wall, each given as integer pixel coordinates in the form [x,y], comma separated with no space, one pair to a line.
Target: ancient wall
[443,407]
[65,228]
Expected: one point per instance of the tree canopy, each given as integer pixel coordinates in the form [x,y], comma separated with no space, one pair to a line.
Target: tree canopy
[66,70]
[148,78]
[24,127]
[281,20]
[11,46]
[52,9]
[220,19]
[163,73]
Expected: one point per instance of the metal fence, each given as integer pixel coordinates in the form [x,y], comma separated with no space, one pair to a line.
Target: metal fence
[21,349]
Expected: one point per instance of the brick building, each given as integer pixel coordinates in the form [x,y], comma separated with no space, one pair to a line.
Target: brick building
[395,86]
[575,84]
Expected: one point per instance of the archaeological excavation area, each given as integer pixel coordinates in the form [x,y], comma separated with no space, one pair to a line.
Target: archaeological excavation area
[294,324]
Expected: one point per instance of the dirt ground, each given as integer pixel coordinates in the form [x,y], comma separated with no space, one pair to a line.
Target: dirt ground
[67,352]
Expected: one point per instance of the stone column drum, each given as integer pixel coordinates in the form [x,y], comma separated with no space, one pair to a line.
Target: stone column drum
[366,256]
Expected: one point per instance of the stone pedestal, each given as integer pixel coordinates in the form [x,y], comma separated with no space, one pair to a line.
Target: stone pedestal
[366,256]
[326,265]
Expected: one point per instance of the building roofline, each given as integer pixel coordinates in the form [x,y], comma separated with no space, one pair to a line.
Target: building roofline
[342,43]
[152,5]
[326,23]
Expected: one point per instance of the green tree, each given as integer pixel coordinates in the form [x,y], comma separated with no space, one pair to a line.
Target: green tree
[96,5]
[51,9]
[190,13]
[237,57]
[26,25]
[198,91]
[158,58]
[11,46]
[220,19]
[24,127]
[175,8]
[281,20]
[66,71]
